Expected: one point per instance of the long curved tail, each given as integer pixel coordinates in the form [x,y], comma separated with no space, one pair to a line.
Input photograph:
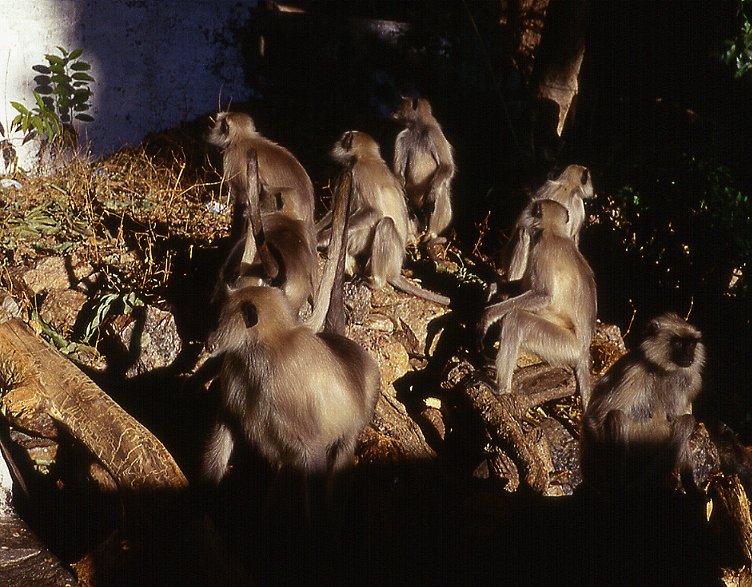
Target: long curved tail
[402,284]
[328,305]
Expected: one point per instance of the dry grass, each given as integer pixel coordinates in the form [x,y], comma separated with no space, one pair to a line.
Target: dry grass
[128,214]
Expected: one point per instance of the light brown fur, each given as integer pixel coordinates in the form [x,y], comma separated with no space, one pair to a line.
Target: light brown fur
[555,316]
[642,407]
[300,399]
[378,221]
[573,185]
[424,164]
[289,260]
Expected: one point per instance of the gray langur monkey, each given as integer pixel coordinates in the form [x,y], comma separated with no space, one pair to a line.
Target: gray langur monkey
[285,184]
[570,188]
[555,315]
[299,398]
[424,164]
[636,428]
[258,173]
[378,221]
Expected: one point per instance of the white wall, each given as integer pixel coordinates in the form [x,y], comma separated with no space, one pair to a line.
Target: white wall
[156,62]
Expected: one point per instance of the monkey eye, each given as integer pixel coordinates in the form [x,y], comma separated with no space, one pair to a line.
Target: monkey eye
[225,127]
[584,176]
[415,103]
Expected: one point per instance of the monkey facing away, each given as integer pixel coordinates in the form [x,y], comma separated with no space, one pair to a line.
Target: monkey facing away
[379,226]
[254,169]
[573,185]
[300,399]
[636,428]
[284,182]
[424,164]
[555,315]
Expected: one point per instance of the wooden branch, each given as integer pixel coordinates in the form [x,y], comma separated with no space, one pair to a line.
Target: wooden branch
[135,458]
[495,413]
[733,497]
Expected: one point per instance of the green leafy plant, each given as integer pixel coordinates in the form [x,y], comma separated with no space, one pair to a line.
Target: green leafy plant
[62,96]
[737,52]
[38,122]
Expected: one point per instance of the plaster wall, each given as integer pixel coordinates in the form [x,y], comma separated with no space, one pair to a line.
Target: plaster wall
[156,62]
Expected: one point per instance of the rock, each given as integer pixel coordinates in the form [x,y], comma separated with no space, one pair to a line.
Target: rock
[409,311]
[60,309]
[55,273]
[606,348]
[9,307]
[147,338]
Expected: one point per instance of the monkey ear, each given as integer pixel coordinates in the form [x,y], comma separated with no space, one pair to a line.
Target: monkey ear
[537,210]
[585,176]
[250,315]
[347,140]
[653,327]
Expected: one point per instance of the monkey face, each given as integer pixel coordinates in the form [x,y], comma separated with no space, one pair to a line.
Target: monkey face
[683,350]
[671,343]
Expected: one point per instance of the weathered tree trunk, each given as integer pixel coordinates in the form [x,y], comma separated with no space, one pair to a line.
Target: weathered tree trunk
[526,19]
[734,499]
[135,458]
[498,415]
[560,54]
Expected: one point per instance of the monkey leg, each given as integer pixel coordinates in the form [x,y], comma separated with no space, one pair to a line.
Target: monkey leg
[217,454]
[530,332]
[387,253]
[680,457]
[441,215]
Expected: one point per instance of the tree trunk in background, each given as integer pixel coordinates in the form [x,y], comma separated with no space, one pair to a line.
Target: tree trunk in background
[525,18]
[559,56]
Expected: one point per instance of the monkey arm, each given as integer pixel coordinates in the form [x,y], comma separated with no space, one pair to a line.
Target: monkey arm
[400,159]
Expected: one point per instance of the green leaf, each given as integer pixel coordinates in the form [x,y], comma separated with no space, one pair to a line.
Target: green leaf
[54,59]
[84,117]
[38,126]
[80,66]
[83,76]
[40,101]
[60,78]
[63,51]
[59,68]
[20,107]
[76,53]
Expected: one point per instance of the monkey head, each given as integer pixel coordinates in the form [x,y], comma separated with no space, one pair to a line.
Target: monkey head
[249,313]
[353,145]
[410,110]
[672,344]
[227,127]
[579,178]
[550,215]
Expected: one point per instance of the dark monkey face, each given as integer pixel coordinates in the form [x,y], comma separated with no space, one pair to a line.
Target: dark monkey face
[683,350]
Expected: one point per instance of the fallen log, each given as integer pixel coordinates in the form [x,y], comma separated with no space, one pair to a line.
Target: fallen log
[134,457]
